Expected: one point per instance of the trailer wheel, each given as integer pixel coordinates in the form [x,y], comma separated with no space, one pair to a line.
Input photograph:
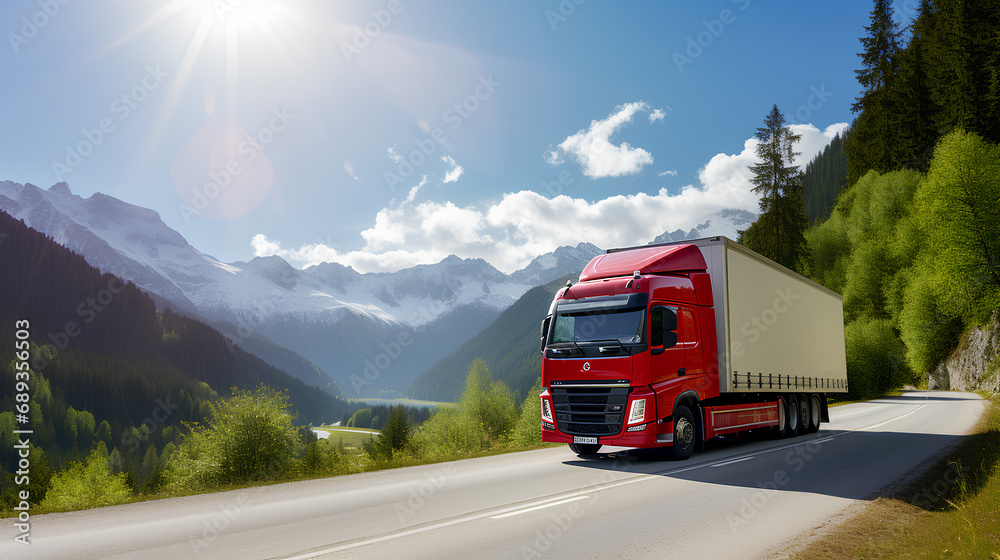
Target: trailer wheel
[805,414]
[685,433]
[815,413]
[781,430]
[585,448]
[792,403]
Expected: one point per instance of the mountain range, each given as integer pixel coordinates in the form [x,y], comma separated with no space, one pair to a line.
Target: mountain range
[329,325]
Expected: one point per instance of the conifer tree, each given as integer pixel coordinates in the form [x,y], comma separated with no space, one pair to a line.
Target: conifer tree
[873,144]
[778,233]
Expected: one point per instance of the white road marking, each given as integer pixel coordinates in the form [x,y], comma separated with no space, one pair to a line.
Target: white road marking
[535,508]
[730,462]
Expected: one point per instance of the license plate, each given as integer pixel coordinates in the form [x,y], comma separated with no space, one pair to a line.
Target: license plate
[584,439]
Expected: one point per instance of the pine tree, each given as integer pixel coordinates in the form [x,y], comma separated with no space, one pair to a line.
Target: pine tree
[874,143]
[778,233]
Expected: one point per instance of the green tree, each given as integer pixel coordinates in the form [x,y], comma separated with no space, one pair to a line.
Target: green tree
[483,416]
[873,143]
[362,418]
[876,360]
[489,402]
[779,232]
[395,436]
[959,209]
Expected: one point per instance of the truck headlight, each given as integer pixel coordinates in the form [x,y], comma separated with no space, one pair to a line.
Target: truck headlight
[638,411]
[546,411]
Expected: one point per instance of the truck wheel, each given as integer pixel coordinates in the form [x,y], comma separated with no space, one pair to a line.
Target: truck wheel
[815,414]
[781,430]
[792,406]
[585,448]
[805,414]
[684,433]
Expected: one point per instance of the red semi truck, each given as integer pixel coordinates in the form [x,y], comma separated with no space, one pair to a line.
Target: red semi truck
[673,344]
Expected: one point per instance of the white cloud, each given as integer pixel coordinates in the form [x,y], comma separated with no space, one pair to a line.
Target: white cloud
[349,168]
[391,152]
[262,247]
[455,172]
[522,225]
[657,115]
[553,157]
[413,191]
[593,149]
[672,173]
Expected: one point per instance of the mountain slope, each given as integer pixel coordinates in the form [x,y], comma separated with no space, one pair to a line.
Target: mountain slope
[510,347]
[105,345]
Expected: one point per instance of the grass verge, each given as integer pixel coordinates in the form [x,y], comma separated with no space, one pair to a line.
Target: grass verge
[952,510]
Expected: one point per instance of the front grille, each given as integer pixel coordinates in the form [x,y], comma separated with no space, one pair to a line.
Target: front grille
[590,410]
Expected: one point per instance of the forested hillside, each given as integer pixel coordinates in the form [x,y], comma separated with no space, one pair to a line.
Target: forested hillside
[510,347]
[106,367]
[913,242]
[824,178]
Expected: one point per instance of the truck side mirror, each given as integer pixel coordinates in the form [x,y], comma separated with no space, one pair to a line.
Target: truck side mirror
[545,330]
[662,327]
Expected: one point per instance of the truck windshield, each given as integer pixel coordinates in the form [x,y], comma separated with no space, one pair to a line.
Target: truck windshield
[622,325]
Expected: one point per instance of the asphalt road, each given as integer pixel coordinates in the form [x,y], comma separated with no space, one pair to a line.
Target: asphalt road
[738,499]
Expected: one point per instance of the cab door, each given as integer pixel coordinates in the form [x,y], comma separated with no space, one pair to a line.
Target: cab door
[674,343]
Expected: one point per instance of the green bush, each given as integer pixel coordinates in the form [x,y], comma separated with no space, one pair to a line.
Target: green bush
[929,334]
[250,436]
[875,358]
[87,485]
[450,432]
[527,431]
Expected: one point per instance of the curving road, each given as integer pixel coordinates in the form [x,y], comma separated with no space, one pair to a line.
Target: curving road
[737,499]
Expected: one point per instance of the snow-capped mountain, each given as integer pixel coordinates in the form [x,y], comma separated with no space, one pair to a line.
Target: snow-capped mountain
[727,222]
[370,331]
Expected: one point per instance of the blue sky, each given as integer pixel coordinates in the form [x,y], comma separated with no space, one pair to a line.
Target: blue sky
[386,134]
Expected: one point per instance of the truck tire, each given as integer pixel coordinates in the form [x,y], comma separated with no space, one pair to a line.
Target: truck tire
[685,433]
[792,406]
[815,413]
[781,430]
[585,448]
[805,414]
